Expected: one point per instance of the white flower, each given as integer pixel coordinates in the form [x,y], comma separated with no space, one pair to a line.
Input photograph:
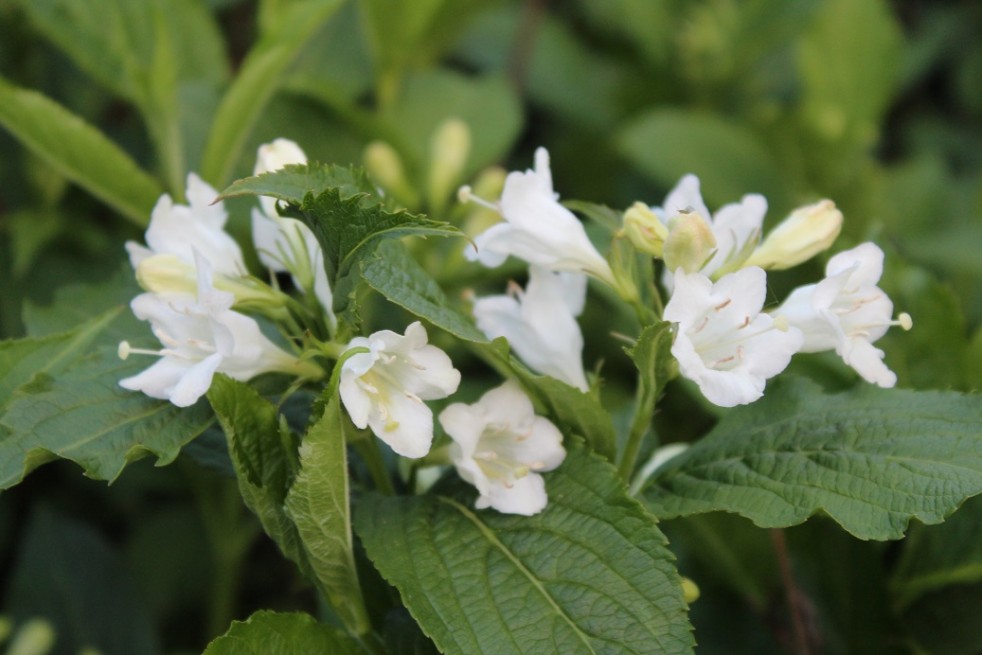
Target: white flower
[500,445]
[540,323]
[202,336]
[736,227]
[537,228]
[847,312]
[384,388]
[808,231]
[724,344]
[286,244]
[180,230]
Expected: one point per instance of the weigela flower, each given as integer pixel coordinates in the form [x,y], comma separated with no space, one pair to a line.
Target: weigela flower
[540,323]
[724,343]
[182,230]
[847,312]
[286,244]
[500,446]
[384,388]
[201,336]
[808,231]
[537,228]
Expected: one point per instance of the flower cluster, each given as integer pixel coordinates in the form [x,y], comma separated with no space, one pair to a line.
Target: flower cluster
[198,296]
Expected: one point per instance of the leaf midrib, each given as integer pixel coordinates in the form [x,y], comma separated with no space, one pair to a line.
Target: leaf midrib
[533,580]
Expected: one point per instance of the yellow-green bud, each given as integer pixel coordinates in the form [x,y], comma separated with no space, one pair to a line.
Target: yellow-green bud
[167,274]
[645,230]
[690,591]
[385,166]
[690,242]
[806,232]
[449,149]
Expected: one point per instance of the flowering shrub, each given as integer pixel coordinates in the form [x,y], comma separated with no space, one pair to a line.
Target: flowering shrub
[441,406]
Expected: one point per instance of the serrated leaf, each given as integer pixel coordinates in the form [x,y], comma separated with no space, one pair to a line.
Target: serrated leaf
[78,151]
[294,182]
[319,507]
[394,273]
[83,415]
[590,574]
[870,458]
[281,633]
[263,462]
[258,79]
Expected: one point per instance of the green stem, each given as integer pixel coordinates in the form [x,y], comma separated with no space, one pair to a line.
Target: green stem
[368,448]
[640,426]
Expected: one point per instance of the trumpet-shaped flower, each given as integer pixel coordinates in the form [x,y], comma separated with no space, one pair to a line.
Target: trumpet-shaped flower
[500,446]
[808,231]
[537,228]
[847,312]
[286,244]
[182,230]
[384,388]
[540,323]
[202,336]
[724,343]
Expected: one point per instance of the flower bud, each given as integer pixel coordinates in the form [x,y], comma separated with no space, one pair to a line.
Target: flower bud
[169,274]
[645,230]
[690,242]
[449,149]
[806,232]
[274,156]
[385,166]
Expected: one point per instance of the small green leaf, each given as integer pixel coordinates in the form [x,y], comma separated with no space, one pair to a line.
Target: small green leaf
[394,273]
[257,81]
[319,507]
[729,159]
[293,183]
[78,151]
[870,458]
[263,462]
[590,574]
[281,633]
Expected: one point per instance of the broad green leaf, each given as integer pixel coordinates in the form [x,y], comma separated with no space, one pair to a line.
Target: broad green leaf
[942,555]
[281,633]
[70,574]
[319,507]
[78,151]
[394,273]
[82,414]
[257,81]
[264,457]
[75,304]
[293,183]
[589,574]
[849,62]
[870,458]
[729,159]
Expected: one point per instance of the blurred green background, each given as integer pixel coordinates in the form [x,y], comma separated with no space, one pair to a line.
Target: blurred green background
[875,104]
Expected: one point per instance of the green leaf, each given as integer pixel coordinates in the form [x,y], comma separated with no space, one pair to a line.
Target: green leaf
[590,574]
[729,159]
[942,555]
[264,457]
[72,576]
[78,151]
[281,633]
[394,273]
[870,458]
[319,507]
[257,81]
[345,214]
[84,415]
